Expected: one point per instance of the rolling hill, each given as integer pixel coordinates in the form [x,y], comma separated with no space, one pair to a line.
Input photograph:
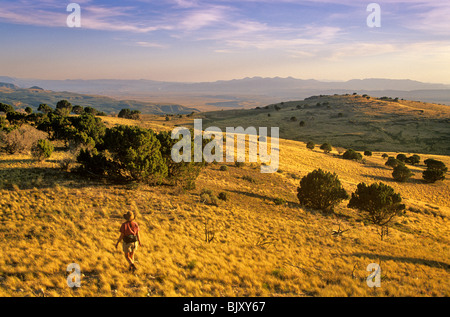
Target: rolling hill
[20,98]
[350,121]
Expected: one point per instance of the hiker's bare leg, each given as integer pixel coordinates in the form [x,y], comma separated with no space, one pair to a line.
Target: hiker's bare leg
[129,258]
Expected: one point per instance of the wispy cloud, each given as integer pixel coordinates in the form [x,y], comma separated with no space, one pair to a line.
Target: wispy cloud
[151,44]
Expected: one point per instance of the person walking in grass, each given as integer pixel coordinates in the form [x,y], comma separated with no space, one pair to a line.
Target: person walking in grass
[129,234]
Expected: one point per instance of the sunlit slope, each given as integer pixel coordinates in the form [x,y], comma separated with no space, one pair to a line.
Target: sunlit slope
[50,219]
[351,121]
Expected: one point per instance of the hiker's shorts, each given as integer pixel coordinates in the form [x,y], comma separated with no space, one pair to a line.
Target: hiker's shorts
[129,247]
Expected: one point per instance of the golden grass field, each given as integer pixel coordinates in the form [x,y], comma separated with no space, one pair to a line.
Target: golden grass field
[50,219]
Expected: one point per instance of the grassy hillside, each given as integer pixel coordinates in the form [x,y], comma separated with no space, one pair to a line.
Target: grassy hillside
[51,218]
[22,98]
[350,121]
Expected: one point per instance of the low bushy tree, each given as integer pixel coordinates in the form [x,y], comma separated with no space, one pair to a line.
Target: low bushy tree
[127,152]
[326,147]
[310,145]
[129,114]
[63,108]
[413,160]
[6,108]
[378,203]
[352,155]
[321,190]
[44,108]
[401,173]
[393,162]
[401,158]
[435,171]
[182,173]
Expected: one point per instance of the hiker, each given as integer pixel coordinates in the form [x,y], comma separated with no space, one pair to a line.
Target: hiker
[129,233]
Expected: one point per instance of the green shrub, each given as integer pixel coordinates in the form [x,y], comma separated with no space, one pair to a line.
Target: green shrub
[310,145]
[63,108]
[401,173]
[207,197]
[42,149]
[6,108]
[393,162]
[385,156]
[182,173]
[378,204]
[413,160]
[352,155]
[320,190]
[129,114]
[127,152]
[367,153]
[401,157]
[326,147]
[435,171]
[223,168]
[249,179]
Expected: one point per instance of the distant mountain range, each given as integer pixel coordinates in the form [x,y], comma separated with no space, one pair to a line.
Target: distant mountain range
[241,93]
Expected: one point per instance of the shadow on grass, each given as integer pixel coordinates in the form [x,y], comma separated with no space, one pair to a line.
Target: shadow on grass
[430,263]
[391,179]
[16,161]
[43,177]
[263,197]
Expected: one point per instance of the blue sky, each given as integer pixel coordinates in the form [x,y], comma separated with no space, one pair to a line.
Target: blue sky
[196,40]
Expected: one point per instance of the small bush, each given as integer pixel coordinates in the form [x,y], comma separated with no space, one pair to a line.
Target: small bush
[378,204]
[310,145]
[367,153]
[20,140]
[207,197]
[352,155]
[435,171]
[413,160]
[321,190]
[401,158]
[223,168]
[385,156]
[401,173]
[326,147]
[393,162]
[249,179]
[42,150]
